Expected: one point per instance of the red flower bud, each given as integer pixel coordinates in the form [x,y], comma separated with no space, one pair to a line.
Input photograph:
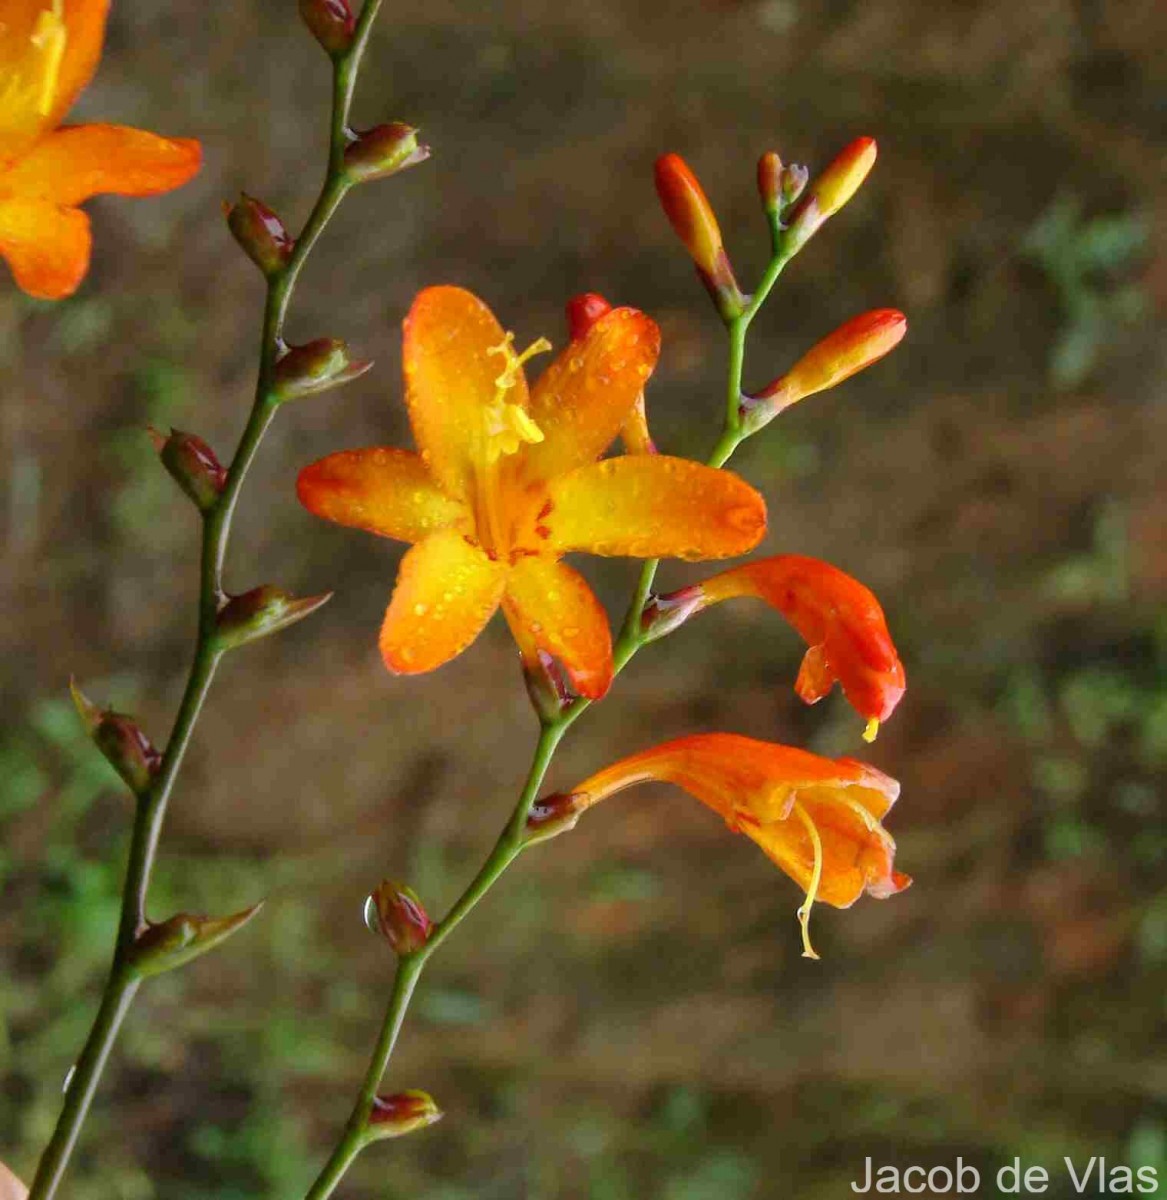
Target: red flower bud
[183,937]
[315,367]
[583,311]
[830,191]
[263,610]
[260,232]
[331,22]
[863,340]
[382,151]
[193,465]
[393,1116]
[395,912]
[125,747]
[692,218]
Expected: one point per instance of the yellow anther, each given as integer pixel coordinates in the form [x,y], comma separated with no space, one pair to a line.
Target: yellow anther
[49,36]
[816,876]
[508,425]
[513,362]
[872,730]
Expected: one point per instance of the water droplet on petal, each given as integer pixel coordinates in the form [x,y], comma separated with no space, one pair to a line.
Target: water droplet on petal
[421,609]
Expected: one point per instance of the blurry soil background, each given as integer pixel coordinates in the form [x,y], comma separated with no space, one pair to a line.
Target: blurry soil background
[627,1015]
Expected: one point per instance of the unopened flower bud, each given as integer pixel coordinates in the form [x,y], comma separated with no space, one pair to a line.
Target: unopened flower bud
[770,181]
[663,614]
[395,912]
[193,465]
[830,191]
[176,941]
[315,367]
[393,1116]
[583,311]
[554,815]
[261,234]
[382,151]
[125,747]
[331,22]
[263,610]
[857,344]
[692,218]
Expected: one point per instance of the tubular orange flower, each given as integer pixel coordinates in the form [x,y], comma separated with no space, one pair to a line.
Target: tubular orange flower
[49,50]
[507,482]
[818,819]
[839,618]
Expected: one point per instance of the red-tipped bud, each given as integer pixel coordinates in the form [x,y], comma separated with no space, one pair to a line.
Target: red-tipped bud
[402,1113]
[263,610]
[554,815]
[583,311]
[183,937]
[315,367]
[331,22]
[546,686]
[125,747]
[395,912]
[691,216]
[860,342]
[192,464]
[382,151]
[260,232]
[770,181]
[830,191]
[663,614]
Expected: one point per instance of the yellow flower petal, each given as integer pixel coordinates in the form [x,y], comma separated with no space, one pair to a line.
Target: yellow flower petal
[651,506]
[550,607]
[386,491]
[447,589]
[46,246]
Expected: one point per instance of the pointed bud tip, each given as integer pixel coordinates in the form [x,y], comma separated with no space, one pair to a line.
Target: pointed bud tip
[317,366]
[263,610]
[179,939]
[89,712]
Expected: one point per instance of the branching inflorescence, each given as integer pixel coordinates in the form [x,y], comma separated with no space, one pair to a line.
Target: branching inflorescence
[506,480]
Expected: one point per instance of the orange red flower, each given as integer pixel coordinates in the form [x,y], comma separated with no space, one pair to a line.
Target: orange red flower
[818,819]
[506,481]
[49,50]
[839,618]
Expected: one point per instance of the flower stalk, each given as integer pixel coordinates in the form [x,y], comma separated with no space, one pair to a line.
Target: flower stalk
[126,972]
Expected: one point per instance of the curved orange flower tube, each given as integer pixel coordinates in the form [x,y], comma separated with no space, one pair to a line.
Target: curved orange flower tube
[49,50]
[818,819]
[837,616]
[506,482]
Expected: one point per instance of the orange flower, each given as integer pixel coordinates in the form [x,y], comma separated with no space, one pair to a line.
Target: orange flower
[48,52]
[816,818]
[507,482]
[839,618]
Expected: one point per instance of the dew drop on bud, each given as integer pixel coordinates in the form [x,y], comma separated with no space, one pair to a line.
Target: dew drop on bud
[369,912]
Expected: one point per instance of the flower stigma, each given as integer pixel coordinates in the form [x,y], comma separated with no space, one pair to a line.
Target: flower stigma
[816,876]
[508,425]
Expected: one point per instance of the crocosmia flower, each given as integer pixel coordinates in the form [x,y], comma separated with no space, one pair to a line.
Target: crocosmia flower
[49,50]
[837,616]
[818,819]
[506,481]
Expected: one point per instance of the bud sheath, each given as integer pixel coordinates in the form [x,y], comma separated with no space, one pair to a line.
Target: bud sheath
[261,234]
[315,367]
[383,151]
[193,465]
[331,23]
[401,1113]
[395,912]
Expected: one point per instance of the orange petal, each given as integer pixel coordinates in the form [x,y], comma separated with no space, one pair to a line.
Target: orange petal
[447,589]
[584,397]
[386,491]
[550,607]
[80,161]
[652,506]
[85,25]
[47,247]
[449,381]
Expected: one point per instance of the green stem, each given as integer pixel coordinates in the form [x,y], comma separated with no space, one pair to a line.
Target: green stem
[122,984]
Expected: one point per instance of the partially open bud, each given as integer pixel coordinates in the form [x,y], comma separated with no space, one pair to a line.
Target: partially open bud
[583,311]
[395,912]
[183,937]
[263,610]
[125,747]
[192,464]
[857,344]
[331,22]
[553,815]
[830,191]
[315,367]
[382,151]
[692,218]
[260,232]
[401,1113]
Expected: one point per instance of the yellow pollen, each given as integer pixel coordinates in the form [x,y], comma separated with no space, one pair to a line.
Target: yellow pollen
[509,425]
[49,36]
[872,730]
[816,876]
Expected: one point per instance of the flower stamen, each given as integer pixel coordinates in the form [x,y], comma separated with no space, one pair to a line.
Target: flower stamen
[816,876]
[872,730]
[509,425]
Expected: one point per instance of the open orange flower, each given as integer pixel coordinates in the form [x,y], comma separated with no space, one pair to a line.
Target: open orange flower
[816,818]
[49,50]
[507,482]
[838,617]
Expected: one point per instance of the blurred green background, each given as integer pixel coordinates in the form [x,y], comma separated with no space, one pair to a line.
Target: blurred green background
[627,1015]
